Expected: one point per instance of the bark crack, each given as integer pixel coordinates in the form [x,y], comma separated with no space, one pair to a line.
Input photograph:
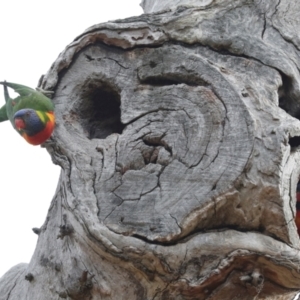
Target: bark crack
[122,201]
[149,112]
[176,222]
[265,26]
[148,192]
[246,56]
[276,8]
[117,62]
[90,58]
[8,296]
[161,291]
[290,42]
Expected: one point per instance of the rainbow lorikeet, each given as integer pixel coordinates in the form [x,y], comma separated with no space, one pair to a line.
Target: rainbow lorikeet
[31,113]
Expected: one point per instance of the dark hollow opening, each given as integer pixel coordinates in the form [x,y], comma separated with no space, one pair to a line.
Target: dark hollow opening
[288,100]
[294,141]
[173,79]
[159,81]
[100,110]
[289,103]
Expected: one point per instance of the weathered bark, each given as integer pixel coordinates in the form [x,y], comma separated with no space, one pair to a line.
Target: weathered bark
[177,137]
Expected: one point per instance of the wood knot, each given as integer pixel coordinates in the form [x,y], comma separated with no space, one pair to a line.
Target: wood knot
[255,279]
[80,288]
[29,277]
[36,230]
[65,229]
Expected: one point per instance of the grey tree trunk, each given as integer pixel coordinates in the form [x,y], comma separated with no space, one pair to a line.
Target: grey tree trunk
[177,135]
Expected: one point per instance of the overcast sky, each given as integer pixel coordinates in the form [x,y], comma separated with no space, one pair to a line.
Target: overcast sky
[33,33]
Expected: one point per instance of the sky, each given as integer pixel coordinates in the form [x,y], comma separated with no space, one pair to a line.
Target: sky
[32,36]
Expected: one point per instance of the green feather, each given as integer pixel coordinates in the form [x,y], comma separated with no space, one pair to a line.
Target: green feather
[22,90]
[3,115]
[29,98]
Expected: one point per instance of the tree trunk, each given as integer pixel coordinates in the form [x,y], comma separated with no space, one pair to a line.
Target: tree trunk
[177,136]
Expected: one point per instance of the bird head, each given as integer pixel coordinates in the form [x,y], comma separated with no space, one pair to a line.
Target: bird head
[35,126]
[28,121]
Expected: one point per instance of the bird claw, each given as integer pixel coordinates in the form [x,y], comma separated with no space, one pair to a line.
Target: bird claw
[45,92]
[49,142]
